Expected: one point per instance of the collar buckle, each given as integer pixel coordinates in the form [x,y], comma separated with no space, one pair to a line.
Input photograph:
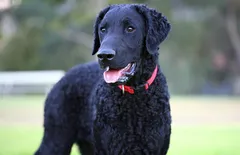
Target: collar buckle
[123,90]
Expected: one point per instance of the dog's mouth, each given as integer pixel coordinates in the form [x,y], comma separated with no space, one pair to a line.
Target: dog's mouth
[119,75]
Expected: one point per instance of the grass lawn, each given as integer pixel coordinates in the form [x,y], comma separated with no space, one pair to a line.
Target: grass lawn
[21,131]
[191,140]
[205,140]
[21,140]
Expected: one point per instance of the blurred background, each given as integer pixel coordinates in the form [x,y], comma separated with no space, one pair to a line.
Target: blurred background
[41,39]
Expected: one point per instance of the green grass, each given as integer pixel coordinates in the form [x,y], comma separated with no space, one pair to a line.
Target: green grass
[21,101]
[187,140]
[205,140]
[21,140]
[21,131]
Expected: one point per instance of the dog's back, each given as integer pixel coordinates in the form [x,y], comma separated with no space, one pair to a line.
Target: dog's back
[68,116]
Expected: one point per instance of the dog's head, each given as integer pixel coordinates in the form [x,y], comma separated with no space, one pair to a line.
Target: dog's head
[122,33]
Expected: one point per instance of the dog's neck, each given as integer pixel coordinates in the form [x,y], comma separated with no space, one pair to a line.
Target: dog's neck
[145,70]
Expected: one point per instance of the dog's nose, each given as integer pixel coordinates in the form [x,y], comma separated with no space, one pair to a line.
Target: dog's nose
[106,54]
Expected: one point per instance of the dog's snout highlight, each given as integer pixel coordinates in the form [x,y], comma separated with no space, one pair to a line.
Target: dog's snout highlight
[106,54]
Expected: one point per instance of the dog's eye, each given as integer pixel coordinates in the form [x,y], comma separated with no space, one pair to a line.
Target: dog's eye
[103,29]
[130,29]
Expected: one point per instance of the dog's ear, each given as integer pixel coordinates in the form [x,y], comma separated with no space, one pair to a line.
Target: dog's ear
[96,42]
[157,27]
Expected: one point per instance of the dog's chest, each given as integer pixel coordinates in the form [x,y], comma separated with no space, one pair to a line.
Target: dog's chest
[130,111]
[133,121]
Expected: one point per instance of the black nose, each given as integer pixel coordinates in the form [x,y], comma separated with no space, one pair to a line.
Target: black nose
[106,54]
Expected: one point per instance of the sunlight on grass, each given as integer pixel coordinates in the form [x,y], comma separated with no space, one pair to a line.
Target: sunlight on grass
[205,140]
[19,101]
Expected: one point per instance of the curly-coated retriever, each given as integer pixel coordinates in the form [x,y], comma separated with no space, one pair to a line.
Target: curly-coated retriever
[120,105]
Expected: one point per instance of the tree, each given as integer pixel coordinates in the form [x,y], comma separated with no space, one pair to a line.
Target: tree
[229,13]
[221,33]
[45,38]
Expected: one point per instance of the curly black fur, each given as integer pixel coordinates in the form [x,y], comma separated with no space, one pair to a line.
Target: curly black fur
[68,116]
[82,108]
[136,124]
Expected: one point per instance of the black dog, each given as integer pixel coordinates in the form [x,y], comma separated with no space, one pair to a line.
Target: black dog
[133,113]
[127,105]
